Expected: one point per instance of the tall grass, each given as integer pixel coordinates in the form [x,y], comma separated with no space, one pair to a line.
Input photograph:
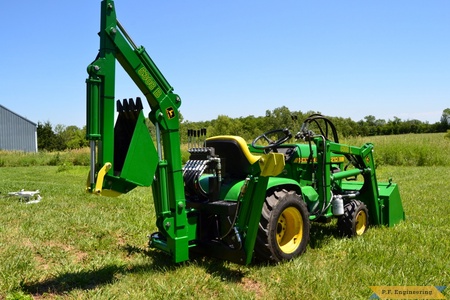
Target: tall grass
[427,149]
[75,157]
[396,150]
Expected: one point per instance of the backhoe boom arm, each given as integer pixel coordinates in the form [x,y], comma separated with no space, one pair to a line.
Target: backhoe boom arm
[124,155]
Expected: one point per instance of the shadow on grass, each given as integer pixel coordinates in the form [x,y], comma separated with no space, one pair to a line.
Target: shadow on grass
[84,279]
[321,233]
[94,278]
[162,262]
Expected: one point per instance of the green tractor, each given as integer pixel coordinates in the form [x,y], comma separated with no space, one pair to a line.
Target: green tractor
[231,200]
[317,183]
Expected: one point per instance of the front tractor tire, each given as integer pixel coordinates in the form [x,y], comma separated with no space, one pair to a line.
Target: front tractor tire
[283,228]
[355,220]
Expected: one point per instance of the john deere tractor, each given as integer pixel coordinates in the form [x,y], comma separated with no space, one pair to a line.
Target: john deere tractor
[231,200]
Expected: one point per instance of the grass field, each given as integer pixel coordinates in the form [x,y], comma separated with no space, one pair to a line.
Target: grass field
[72,245]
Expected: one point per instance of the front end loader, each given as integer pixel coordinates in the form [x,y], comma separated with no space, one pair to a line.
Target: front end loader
[231,200]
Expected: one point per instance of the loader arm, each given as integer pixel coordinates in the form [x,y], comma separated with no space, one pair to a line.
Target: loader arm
[123,155]
[362,158]
[382,199]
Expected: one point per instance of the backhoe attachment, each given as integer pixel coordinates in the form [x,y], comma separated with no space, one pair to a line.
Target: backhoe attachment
[124,155]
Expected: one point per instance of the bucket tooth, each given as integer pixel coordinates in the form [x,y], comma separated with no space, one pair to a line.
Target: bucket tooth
[125,105]
[139,104]
[131,105]
[119,106]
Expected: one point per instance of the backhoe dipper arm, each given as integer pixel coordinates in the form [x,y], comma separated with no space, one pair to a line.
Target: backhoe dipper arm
[124,156]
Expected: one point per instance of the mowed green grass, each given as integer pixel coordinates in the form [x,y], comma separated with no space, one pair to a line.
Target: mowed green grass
[73,245]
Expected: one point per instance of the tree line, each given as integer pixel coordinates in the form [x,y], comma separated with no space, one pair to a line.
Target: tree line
[250,127]
[63,137]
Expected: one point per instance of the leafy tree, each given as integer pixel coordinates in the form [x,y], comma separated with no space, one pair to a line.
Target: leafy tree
[74,137]
[45,136]
[345,127]
[281,117]
[61,137]
[60,142]
[251,127]
[226,125]
[445,119]
[371,125]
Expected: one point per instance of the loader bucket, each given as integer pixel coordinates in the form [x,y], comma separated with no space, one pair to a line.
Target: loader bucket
[392,208]
[385,208]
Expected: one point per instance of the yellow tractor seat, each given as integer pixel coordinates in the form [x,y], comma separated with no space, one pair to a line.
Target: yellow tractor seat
[236,158]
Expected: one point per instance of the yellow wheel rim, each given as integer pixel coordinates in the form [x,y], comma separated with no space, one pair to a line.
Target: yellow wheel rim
[289,230]
[361,221]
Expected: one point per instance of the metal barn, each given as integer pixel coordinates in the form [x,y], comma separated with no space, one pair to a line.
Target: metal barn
[16,132]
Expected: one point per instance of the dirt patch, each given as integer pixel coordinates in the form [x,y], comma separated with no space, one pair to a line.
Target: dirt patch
[253,286]
[45,262]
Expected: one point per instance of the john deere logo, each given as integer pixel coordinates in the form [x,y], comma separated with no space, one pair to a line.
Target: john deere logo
[170,113]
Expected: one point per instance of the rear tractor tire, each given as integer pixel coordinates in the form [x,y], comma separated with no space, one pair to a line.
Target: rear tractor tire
[355,220]
[283,228]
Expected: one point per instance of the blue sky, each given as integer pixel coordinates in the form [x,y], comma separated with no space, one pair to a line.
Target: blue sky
[386,58]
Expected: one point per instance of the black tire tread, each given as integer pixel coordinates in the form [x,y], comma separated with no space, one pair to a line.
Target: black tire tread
[263,249]
[347,222]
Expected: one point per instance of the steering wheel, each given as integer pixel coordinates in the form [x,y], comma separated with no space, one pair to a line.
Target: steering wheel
[284,133]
